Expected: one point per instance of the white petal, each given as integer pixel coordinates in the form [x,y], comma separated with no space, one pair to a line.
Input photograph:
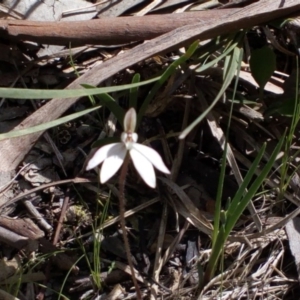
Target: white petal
[130,120]
[144,167]
[134,137]
[152,156]
[101,154]
[113,163]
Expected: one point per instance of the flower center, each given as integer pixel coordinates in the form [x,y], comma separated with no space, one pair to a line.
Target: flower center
[129,138]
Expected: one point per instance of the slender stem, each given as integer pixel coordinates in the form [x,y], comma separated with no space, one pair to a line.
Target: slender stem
[122,201]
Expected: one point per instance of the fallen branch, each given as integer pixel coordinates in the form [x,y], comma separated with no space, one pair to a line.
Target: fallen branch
[104,31]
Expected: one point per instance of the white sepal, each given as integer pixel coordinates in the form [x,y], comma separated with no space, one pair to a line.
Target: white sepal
[130,120]
[152,156]
[100,155]
[112,164]
[144,167]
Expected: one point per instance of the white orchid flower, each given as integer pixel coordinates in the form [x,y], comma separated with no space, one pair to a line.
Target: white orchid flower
[113,155]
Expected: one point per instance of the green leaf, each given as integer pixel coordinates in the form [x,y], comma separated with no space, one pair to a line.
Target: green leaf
[262,65]
[47,125]
[239,203]
[229,73]
[133,94]
[109,102]
[16,93]
[284,108]
[280,23]
[213,62]
[163,78]
[106,141]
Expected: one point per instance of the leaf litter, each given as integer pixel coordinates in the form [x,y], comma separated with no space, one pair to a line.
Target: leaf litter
[79,252]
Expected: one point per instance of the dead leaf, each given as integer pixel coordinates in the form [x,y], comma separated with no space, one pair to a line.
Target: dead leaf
[292,229]
[8,267]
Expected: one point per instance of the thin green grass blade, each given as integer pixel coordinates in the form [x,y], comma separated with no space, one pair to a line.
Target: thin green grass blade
[235,211]
[217,59]
[251,172]
[218,206]
[60,294]
[45,126]
[233,65]
[133,93]
[206,50]
[287,160]
[72,64]
[16,93]
[163,78]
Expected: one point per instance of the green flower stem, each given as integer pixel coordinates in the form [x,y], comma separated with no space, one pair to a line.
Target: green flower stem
[122,201]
